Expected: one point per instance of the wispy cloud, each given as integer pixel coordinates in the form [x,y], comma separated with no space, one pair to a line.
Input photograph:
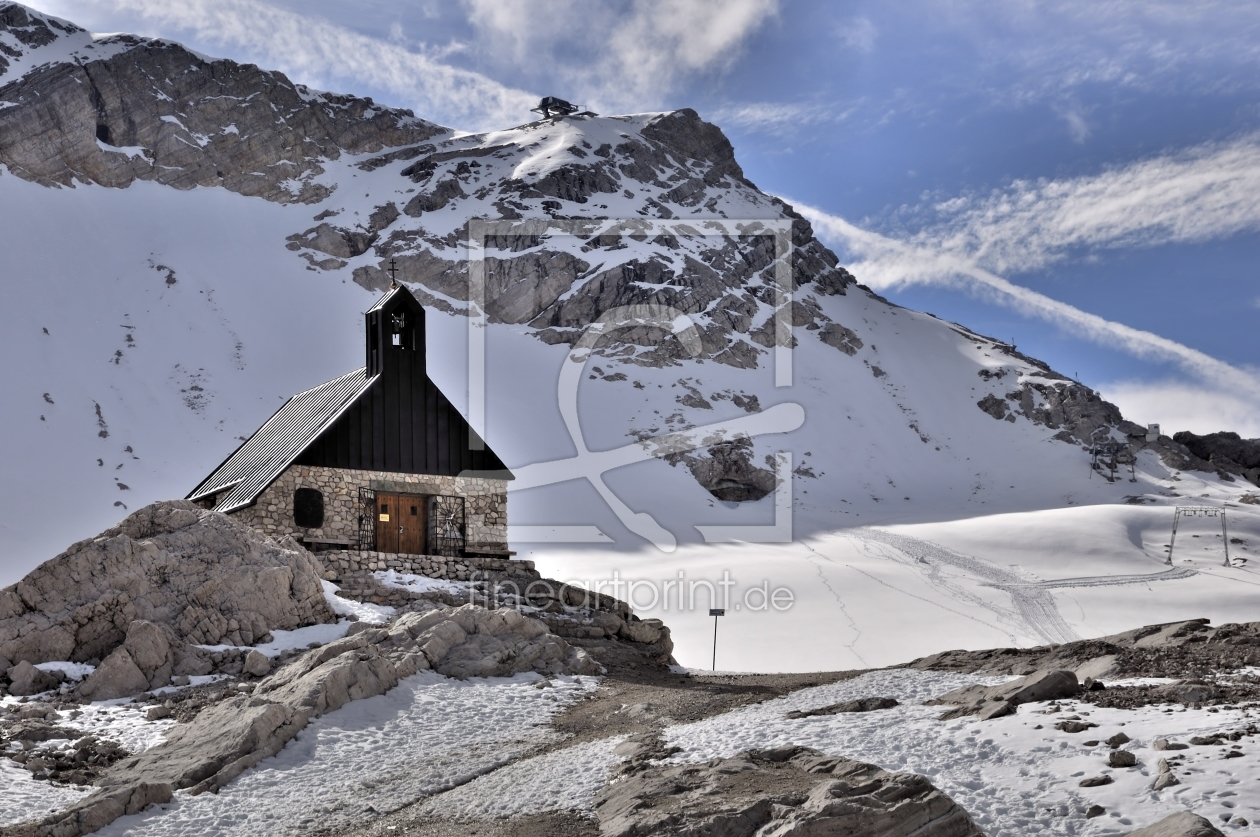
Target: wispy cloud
[623,55]
[1208,192]
[320,53]
[883,263]
[778,118]
[858,34]
[1180,406]
[1073,116]
[1034,50]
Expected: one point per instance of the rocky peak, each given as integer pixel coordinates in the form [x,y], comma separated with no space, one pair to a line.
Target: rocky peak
[653,209]
[116,109]
[684,131]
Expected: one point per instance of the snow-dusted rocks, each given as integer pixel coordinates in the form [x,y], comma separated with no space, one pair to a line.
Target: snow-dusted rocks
[169,574]
[787,790]
[1183,649]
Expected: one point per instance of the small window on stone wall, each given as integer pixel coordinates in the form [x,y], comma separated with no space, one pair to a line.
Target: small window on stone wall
[308,508]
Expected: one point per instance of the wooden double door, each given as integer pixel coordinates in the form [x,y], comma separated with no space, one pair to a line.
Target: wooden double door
[402,523]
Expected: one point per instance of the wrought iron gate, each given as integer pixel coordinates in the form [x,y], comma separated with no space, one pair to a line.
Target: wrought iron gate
[367,519]
[446,526]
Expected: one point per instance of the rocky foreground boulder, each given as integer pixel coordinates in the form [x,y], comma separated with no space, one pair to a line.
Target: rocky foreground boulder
[787,790]
[1180,824]
[133,598]
[996,701]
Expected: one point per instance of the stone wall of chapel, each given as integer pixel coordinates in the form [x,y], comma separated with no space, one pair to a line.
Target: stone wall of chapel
[485,503]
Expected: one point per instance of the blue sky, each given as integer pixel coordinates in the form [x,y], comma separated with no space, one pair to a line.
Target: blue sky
[1082,178]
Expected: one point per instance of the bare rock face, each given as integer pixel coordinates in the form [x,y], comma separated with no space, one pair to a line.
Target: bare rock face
[474,642]
[169,574]
[789,790]
[1227,451]
[152,110]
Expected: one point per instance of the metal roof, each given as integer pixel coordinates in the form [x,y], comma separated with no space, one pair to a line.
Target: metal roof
[390,294]
[274,446]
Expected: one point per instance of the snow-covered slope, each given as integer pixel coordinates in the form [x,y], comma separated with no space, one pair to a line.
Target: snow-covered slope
[178,264]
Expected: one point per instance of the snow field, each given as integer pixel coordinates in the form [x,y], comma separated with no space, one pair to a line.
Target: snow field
[373,756]
[1013,779]
[872,596]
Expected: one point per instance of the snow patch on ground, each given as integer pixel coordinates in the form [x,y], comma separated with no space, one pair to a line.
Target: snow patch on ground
[73,671]
[421,583]
[373,756]
[564,780]
[362,611]
[22,798]
[300,637]
[120,721]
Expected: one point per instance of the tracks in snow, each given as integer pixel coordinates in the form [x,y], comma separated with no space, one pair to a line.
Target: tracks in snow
[1110,580]
[1034,605]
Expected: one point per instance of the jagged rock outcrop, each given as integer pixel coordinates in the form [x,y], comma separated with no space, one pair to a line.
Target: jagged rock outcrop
[148,658]
[726,471]
[1081,416]
[1227,451]
[788,790]
[141,109]
[170,574]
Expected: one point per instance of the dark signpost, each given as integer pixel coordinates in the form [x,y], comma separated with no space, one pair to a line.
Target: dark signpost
[715,612]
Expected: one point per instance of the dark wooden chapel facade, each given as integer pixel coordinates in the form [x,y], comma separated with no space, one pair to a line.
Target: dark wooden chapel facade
[377,460]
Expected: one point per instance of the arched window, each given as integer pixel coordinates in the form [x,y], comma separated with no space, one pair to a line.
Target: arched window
[308,508]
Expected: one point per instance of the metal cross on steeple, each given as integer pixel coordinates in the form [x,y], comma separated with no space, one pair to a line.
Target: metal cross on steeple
[393,273]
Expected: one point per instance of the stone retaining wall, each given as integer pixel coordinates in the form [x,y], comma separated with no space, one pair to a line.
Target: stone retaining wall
[485,503]
[342,563]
